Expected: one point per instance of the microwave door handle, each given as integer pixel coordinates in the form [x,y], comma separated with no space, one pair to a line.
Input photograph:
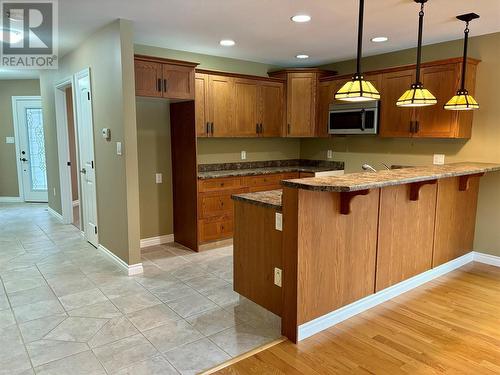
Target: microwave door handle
[363,120]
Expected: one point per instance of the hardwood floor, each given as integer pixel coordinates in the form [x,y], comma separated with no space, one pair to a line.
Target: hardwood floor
[450,325]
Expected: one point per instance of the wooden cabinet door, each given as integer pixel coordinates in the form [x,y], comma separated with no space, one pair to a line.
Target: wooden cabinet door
[434,121]
[326,95]
[148,76]
[272,108]
[246,108]
[178,81]
[301,104]
[395,121]
[221,105]
[200,105]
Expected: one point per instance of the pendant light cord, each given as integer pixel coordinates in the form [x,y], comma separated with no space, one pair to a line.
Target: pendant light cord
[464,62]
[360,36]
[419,47]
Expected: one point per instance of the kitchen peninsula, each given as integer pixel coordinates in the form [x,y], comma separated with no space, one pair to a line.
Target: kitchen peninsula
[350,237]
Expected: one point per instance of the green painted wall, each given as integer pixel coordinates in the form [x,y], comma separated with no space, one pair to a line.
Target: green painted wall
[483,146]
[9,186]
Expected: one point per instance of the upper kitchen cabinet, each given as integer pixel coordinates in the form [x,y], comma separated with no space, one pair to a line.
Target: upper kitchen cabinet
[231,105]
[164,78]
[302,99]
[442,79]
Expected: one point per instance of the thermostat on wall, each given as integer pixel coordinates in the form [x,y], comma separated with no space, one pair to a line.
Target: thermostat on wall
[106,134]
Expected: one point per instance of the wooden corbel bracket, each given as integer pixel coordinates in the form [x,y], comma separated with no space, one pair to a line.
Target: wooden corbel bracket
[416,186]
[463,181]
[347,197]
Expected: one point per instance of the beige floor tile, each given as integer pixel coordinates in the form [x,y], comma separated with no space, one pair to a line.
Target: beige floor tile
[124,353]
[37,310]
[38,328]
[25,297]
[152,317]
[135,302]
[153,366]
[84,363]
[213,321]
[103,309]
[6,318]
[80,299]
[172,335]
[114,330]
[45,351]
[76,329]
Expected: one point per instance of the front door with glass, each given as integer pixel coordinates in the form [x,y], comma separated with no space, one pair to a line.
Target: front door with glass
[31,149]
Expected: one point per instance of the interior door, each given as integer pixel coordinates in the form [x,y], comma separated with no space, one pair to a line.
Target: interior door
[272,108]
[31,149]
[87,164]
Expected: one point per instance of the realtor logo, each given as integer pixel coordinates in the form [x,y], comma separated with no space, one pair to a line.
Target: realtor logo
[29,34]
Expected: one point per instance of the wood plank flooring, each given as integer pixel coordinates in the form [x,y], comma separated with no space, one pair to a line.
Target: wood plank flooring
[448,326]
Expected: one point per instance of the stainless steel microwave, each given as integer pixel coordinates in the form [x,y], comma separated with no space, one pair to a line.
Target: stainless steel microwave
[353,118]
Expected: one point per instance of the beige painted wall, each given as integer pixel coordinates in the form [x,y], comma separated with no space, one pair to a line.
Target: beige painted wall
[109,54]
[483,146]
[153,141]
[8,165]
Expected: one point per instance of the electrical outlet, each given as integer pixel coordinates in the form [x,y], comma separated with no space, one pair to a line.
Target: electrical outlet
[278,277]
[243,155]
[279,221]
[118,148]
[9,140]
[329,154]
[438,159]
[54,191]
[159,178]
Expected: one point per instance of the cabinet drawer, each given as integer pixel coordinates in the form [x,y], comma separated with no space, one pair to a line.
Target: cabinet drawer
[263,180]
[215,205]
[214,184]
[265,188]
[214,229]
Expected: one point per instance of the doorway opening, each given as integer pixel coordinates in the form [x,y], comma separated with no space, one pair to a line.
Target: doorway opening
[30,148]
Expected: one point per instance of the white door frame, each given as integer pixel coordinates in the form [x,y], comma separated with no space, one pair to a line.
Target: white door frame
[93,239]
[63,147]
[15,100]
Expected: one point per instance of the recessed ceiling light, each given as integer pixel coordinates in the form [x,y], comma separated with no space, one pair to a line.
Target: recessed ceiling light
[301,18]
[13,37]
[227,42]
[302,56]
[379,39]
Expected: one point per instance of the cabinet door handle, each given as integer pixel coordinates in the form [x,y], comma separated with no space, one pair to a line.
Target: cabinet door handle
[417,126]
[212,128]
[164,85]
[207,128]
[412,128]
[257,128]
[261,128]
[158,85]
[289,129]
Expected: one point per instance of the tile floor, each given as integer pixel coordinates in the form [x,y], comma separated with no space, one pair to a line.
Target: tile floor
[67,308]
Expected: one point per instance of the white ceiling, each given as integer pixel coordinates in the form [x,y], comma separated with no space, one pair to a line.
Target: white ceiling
[263,31]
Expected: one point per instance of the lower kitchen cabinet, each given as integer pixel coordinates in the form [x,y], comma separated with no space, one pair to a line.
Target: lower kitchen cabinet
[216,208]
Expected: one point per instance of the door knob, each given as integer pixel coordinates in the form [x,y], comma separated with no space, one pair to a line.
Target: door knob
[83,171]
[24,160]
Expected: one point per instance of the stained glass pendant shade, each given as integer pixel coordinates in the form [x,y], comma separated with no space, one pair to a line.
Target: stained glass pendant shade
[418,95]
[462,101]
[357,89]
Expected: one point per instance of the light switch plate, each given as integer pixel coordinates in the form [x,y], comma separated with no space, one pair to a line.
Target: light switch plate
[10,140]
[438,159]
[118,148]
[159,178]
[329,154]
[278,277]
[243,155]
[279,221]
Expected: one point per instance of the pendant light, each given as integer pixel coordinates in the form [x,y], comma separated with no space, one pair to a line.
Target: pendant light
[463,101]
[418,95]
[357,89]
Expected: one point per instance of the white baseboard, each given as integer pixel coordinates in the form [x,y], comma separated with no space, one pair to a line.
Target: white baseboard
[329,320]
[153,241]
[492,260]
[56,214]
[10,199]
[76,203]
[133,269]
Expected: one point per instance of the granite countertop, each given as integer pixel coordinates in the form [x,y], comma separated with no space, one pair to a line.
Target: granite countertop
[259,171]
[370,180]
[269,199]
[207,171]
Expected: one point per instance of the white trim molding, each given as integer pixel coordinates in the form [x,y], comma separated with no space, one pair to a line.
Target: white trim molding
[329,320]
[11,199]
[76,203]
[56,214]
[492,260]
[158,240]
[132,269]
